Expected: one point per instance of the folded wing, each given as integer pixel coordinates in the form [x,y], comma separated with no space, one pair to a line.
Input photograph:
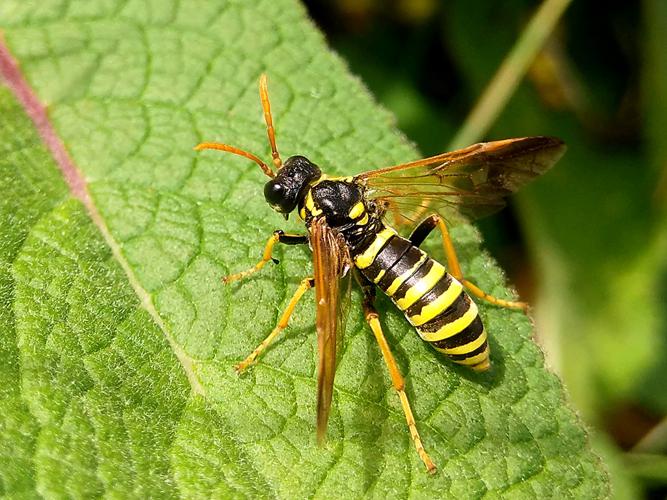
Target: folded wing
[474,181]
[330,263]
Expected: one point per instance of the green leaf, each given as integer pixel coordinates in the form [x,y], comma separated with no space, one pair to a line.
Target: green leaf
[118,338]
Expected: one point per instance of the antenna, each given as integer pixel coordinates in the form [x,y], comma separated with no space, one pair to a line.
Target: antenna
[231,149]
[266,106]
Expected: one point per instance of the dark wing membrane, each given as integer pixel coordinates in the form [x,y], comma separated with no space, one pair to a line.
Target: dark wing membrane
[473,180]
[330,261]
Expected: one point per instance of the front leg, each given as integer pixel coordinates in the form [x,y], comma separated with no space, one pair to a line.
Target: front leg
[278,236]
[306,284]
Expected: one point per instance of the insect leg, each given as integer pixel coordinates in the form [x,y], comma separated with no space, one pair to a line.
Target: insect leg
[277,237]
[424,229]
[305,285]
[421,232]
[397,380]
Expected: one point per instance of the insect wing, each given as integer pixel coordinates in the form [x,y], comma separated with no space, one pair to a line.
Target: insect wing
[330,262]
[473,180]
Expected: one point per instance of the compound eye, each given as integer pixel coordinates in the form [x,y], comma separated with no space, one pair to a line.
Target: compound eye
[274,193]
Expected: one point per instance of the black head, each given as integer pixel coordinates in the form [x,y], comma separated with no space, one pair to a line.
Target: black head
[284,191]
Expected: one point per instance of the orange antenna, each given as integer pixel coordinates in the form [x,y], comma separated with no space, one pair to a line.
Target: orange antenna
[231,149]
[266,106]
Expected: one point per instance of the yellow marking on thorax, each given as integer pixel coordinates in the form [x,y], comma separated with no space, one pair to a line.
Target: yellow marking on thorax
[451,329]
[399,280]
[363,221]
[310,204]
[422,286]
[466,348]
[442,302]
[347,178]
[325,177]
[302,213]
[356,210]
[366,258]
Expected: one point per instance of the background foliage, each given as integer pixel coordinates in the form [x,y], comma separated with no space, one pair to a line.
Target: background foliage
[587,243]
[117,345]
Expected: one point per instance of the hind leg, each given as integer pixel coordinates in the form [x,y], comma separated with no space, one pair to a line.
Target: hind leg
[425,228]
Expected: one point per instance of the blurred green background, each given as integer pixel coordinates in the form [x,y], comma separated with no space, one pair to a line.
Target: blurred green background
[587,243]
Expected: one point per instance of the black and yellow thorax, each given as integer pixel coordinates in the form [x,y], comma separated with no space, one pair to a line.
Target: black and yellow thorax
[342,202]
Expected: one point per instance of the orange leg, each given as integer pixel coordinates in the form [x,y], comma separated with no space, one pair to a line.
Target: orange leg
[305,285]
[420,234]
[276,237]
[397,380]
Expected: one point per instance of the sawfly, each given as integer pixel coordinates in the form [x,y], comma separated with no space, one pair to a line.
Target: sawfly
[349,233]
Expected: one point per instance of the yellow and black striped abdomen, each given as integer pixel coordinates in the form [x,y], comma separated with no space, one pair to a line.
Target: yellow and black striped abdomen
[432,300]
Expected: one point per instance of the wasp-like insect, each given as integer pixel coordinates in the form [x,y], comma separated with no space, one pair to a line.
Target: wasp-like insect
[348,234]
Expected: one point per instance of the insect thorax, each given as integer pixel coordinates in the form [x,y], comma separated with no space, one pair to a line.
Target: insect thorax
[342,202]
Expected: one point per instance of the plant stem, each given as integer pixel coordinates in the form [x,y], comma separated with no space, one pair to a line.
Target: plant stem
[510,73]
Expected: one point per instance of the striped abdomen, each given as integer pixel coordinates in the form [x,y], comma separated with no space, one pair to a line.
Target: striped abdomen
[432,300]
